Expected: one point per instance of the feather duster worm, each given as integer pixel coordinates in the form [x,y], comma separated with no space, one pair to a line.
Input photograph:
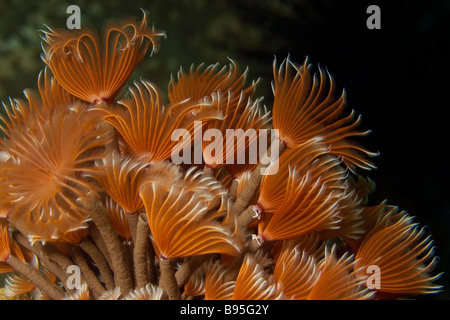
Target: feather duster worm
[180,224]
[43,172]
[146,126]
[119,177]
[94,69]
[338,280]
[297,271]
[254,282]
[305,107]
[201,83]
[398,247]
[234,135]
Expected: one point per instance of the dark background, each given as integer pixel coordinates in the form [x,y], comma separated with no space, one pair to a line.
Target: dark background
[396,77]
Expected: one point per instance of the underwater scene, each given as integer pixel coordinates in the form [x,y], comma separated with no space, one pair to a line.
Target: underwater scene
[224,150]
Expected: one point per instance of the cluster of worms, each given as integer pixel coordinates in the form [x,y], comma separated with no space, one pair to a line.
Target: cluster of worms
[87,180]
